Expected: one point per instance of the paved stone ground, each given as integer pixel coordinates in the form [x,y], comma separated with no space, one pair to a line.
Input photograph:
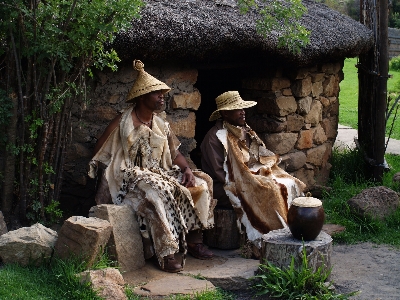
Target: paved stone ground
[346,135]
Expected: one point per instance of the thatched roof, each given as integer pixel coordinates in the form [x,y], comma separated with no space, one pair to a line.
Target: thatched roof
[204,31]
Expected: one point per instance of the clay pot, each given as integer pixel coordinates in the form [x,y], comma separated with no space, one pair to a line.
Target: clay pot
[305,218]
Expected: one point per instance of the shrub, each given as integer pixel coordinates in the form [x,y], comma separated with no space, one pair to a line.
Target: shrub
[394,63]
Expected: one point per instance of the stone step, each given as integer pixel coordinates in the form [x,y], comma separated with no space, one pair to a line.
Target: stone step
[227,270]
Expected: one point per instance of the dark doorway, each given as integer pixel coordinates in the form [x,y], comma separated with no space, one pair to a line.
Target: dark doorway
[211,83]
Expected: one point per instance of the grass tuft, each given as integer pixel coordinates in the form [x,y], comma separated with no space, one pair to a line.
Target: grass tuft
[295,282]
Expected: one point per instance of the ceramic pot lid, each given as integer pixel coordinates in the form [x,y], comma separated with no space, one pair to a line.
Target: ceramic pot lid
[307,201]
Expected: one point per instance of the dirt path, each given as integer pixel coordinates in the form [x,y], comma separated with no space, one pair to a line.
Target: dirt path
[372,269]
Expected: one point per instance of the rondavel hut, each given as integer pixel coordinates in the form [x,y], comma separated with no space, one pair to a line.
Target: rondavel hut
[202,48]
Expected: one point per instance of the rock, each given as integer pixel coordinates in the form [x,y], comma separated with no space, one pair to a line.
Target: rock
[108,283]
[304,105]
[305,140]
[317,89]
[3,225]
[27,245]
[294,122]
[293,161]
[187,100]
[80,236]
[396,177]
[280,143]
[331,86]
[279,83]
[333,229]
[376,202]
[183,126]
[125,243]
[316,155]
[319,136]
[233,275]
[314,116]
[174,284]
[307,176]
[302,88]
[266,124]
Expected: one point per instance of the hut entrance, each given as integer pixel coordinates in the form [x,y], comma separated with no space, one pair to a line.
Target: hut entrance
[211,83]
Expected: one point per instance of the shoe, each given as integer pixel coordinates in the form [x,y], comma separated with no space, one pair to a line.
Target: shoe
[200,251]
[171,265]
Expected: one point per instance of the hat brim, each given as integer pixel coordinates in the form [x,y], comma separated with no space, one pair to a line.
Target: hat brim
[165,88]
[243,104]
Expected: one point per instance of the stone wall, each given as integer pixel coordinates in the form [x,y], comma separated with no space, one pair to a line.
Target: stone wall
[296,116]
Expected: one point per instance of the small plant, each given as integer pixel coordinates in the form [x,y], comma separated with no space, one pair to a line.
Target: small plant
[295,283]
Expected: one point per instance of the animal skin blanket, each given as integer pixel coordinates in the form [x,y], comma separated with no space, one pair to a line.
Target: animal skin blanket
[260,191]
[140,173]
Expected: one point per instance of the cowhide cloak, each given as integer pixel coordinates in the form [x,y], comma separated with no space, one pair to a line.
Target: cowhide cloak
[139,172]
[260,191]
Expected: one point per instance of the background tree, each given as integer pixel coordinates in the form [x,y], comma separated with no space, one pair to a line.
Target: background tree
[47,50]
[282,17]
[394,14]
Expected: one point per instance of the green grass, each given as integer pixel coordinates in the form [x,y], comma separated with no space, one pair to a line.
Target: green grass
[57,281]
[346,182]
[348,97]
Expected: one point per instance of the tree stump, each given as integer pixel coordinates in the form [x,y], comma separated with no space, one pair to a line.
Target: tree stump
[279,246]
[225,234]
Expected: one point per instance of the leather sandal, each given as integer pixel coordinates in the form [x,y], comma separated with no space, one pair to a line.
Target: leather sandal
[171,264]
[200,251]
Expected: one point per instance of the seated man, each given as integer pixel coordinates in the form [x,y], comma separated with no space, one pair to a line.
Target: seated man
[244,172]
[145,170]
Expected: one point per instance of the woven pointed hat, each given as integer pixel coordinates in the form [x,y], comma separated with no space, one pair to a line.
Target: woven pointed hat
[145,83]
[229,101]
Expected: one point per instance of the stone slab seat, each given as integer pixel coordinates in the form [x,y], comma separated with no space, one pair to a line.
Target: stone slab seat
[125,244]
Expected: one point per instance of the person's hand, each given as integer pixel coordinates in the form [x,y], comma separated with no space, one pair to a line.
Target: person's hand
[188,179]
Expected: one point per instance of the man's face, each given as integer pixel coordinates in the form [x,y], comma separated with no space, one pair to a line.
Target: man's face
[235,117]
[154,100]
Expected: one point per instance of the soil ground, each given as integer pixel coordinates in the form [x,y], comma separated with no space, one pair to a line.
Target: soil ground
[372,269]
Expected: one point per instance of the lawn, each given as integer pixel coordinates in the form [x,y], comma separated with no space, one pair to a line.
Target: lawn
[348,97]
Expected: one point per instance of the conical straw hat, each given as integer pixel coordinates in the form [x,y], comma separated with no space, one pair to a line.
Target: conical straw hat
[229,101]
[145,83]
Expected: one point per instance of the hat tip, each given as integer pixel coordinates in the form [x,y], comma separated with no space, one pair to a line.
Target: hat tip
[138,65]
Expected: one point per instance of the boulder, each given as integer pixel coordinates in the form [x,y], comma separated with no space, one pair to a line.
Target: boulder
[83,237]
[396,177]
[3,225]
[27,245]
[376,202]
[108,283]
[125,243]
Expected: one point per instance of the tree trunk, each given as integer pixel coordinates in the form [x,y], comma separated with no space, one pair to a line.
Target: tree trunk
[279,246]
[225,234]
[9,165]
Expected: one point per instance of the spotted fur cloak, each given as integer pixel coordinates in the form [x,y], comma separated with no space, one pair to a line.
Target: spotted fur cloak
[140,172]
[259,190]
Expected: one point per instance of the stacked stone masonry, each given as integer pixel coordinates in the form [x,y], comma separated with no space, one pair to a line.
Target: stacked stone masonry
[297,117]
[296,114]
